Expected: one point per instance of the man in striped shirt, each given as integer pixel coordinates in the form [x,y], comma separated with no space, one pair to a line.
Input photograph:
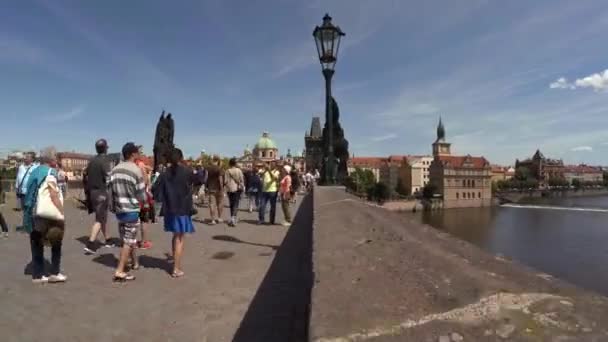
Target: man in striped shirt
[127,190]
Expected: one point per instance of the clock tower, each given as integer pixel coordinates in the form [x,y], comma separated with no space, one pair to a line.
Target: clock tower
[440,146]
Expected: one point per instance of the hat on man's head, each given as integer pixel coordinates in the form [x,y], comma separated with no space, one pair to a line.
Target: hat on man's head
[287,168]
[129,149]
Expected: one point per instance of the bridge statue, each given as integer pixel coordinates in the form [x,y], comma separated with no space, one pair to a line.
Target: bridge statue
[163,140]
[340,145]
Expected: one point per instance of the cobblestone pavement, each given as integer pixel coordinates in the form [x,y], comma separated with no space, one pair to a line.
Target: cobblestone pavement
[224,267]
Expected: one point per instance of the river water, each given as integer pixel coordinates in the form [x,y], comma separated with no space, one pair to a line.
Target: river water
[558,236]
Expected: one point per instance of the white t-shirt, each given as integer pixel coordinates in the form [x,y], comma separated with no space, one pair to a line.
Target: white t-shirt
[308,177]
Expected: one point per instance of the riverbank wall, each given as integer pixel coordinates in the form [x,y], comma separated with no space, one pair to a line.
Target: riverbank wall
[381,276]
[518,196]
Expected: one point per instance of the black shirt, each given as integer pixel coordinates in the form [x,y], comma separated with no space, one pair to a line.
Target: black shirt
[96,174]
[173,189]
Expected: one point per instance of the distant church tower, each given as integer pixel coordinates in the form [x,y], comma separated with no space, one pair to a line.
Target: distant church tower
[440,146]
[313,141]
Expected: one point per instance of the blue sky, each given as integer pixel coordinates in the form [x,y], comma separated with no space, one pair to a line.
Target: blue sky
[506,76]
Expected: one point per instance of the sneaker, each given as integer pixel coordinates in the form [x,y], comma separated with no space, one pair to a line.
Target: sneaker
[260,223]
[109,244]
[286,224]
[212,222]
[57,278]
[89,250]
[41,280]
[145,245]
[5,235]
[219,220]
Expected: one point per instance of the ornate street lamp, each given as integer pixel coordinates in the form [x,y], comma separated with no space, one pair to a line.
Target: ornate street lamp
[327,38]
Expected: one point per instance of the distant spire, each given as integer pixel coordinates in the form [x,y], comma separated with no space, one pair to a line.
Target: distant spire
[315,127]
[440,130]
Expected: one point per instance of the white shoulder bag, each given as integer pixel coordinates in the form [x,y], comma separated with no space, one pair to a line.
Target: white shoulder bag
[45,208]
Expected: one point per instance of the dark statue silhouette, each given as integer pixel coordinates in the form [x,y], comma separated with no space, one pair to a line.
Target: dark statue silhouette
[340,145]
[163,140]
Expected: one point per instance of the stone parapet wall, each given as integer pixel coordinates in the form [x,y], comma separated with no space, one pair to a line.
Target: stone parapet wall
[380,276]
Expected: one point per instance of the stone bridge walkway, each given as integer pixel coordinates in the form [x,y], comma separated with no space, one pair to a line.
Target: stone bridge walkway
[239,285]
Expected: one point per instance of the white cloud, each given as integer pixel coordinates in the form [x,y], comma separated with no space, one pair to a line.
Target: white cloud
[561,83]
[597,82]
[582,148]
[385,137]
[66,116]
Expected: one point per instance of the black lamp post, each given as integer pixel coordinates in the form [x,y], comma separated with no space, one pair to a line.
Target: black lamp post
[327,37]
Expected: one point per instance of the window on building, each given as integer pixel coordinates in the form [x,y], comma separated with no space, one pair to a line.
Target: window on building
[263,154]
[479,194]
[473,183]
[473,195]
[457,195]
[464,183]
[464,195]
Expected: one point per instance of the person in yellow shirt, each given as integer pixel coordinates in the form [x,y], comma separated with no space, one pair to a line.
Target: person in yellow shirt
[270,187]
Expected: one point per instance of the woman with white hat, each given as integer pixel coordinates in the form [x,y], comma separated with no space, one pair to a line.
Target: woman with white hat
[285,193]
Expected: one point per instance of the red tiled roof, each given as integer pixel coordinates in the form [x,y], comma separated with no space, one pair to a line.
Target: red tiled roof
[460,161]
[581,169]
[398,158]
[366,161]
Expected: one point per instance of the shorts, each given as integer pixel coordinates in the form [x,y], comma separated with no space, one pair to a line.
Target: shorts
[99,205]
[52,231]
[216,199]
[128,232]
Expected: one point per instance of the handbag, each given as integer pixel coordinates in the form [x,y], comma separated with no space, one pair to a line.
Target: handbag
[240,187]
[45,208]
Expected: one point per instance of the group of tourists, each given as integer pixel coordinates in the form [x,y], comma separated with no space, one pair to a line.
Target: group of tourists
[130,191]
[263,185]
[133,192]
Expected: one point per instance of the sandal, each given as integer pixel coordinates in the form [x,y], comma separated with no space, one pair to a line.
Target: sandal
[177,274]
[123,278]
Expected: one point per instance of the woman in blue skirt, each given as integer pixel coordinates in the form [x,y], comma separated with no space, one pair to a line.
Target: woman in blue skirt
[174,189]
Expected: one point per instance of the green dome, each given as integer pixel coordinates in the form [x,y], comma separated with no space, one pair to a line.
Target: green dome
[265,143]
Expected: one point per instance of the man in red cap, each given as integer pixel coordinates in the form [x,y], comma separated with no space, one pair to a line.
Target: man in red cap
[95,187]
